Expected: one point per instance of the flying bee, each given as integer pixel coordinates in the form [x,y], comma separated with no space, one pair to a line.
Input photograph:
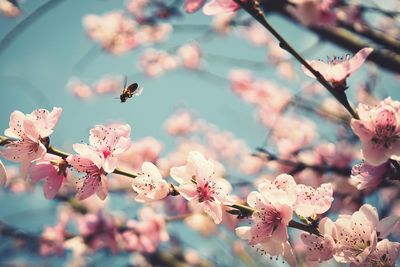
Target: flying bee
[132,90]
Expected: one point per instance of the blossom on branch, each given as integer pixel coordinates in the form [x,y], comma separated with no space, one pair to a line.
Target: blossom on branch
[149,184]
[379,131]
[200,185]
[31,132]
[337,70]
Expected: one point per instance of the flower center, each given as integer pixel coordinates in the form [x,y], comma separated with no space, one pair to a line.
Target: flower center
[205,192]
[106,153]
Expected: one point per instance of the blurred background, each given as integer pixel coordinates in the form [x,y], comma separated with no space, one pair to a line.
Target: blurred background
[41,58]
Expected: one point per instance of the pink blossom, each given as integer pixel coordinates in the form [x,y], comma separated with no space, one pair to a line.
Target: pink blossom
[222,23]
[137,8]
[320,248]
[146,234]
[192,6]
[99,230]
[272,213]
[365,176]
[149,34]
[3,174]
[200,185]
[181,123]
[31,134]
[53,170]
[386,253]
[340,155]
[114,31]
[145,149]
[149,184]
[52,239]
[190,55]
[9,9]
[214,7]
[108,84]
[154,63]
[356,235]
[95,180]
[79,88]
[337,70]
[379,131]
[250,164]
[314,12]
[312,201]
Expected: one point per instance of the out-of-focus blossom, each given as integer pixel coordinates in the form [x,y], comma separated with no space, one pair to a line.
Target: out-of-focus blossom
[221,23]
[115,32]
[9,8]
[201,187]
[340,155]
[31,132]
[338,69]
[256,34]
[379,130]
[154,63]
[365,176]
[99,230]
[149,184]
[201,223]
[190,55]
[146,234]
[272,213]
[149,34]
[52,239]
[214,7]
[181,123]
[292,134]
[137,8]
[53,170]
[192,6]
[313,12]
[145,149]
[3,174]
[108,84]
[251,164]
[79,88]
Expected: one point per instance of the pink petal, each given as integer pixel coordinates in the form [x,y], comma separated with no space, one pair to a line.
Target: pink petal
[102,188]
[319,66]
[16,121]
[192,6]
[188,190]
[373,155]
[388,225]
[180,174]
[358,59]
[30,129]
[53,185]
[361,130]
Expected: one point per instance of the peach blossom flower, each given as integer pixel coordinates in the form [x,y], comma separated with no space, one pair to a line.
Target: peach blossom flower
[201,187]
[338,69]
[149,184]
[9,8]
[53,170]
[314,12]
[115,32]
[108,84]
[190,55]
[379,130]
[181,123]
[214,7]
[192,6]
[386,253]
[31,134]
[365,176]
[268,233]
[79,88]
[154,63]
[312,201]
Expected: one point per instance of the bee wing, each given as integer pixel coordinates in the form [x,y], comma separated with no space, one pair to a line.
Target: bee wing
[125,81]
[139,91]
